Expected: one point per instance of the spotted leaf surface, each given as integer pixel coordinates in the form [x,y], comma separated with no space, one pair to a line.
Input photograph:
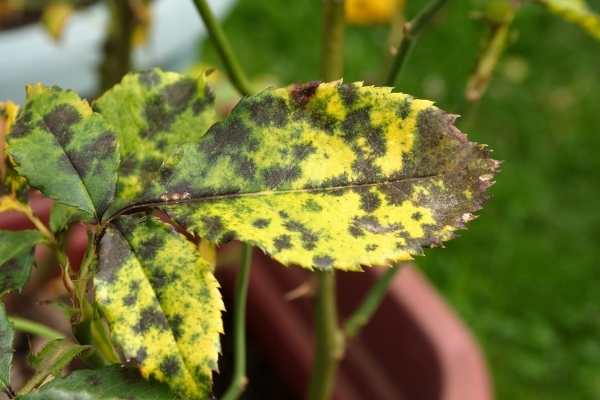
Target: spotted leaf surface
[330,175]
[577,12]
[108,383]
[154,113]
[65,150]
[162,303]
[16,258]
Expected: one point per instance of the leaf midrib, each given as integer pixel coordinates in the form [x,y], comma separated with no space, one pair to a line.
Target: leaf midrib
[167,203]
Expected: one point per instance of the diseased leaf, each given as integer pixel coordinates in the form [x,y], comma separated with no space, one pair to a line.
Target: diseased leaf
[65,150]
[7,336]
[577,12]
[51,360]
[16,258]
[154,113]
[109,383]
[330,175]
[162,303]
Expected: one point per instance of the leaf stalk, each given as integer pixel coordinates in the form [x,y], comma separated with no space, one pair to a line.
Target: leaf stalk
[411,31]
[223,47]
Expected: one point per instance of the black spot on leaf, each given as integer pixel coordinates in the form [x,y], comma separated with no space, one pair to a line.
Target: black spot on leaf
[150,317]
[369,201]
[309,238]
[279,175]
[269,110]
[356,122]
[59,122]
[282,242]
[261,223]
[348,93]
[170,366]
[323,262]
[149,78]
[213,226]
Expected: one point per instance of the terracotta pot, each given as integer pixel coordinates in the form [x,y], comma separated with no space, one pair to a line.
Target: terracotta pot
[414,348]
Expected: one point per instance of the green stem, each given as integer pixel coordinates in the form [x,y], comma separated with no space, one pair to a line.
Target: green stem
[223,47]
[332,46]
[35,328]
[328,341]
[411,32]
[370,304]
[239,380]
[117,45]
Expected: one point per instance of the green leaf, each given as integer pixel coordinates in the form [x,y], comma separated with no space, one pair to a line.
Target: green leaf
[576,12]
[162,303]
[65,150]
[7,336]
[16,258]
[109,383]
[154,113]
[51,360]
[61,216]
[330,175]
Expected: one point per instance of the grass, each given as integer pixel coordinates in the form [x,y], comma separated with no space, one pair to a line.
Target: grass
[525,276]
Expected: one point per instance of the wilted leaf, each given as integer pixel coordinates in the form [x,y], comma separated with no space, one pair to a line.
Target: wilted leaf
[16,258]
[51,360]
[7,336]
[109,383]
[577,12]
[65,150]
[330,175]
[162,303]
[154,113]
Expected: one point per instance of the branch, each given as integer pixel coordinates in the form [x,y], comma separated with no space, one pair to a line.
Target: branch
[239,380]
[117,45]
[35,328]
[232,66]
[411,31]
[328,346]
[371,302]
[332,46]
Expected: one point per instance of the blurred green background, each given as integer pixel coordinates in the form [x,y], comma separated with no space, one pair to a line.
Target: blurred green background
[526,275]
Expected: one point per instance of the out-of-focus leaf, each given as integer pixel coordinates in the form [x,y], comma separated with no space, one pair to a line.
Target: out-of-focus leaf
[61,216]
[142,14]
[55,17]
[154,113]
[162,303]
[330,175]
[65,150]
[108,383]
[16,258]
[577,12]
[11,181]
[366,12]
[7,336]
[51,360]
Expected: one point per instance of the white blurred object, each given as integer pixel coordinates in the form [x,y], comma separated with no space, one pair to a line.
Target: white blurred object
[29,55]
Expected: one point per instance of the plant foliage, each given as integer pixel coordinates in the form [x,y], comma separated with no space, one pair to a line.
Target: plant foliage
[320,175]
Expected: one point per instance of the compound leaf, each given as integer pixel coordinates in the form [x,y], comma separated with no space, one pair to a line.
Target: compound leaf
[162,303]
[16,258]
[330,175]
[7,336]
[108,383]
[576,12]
[154,113]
